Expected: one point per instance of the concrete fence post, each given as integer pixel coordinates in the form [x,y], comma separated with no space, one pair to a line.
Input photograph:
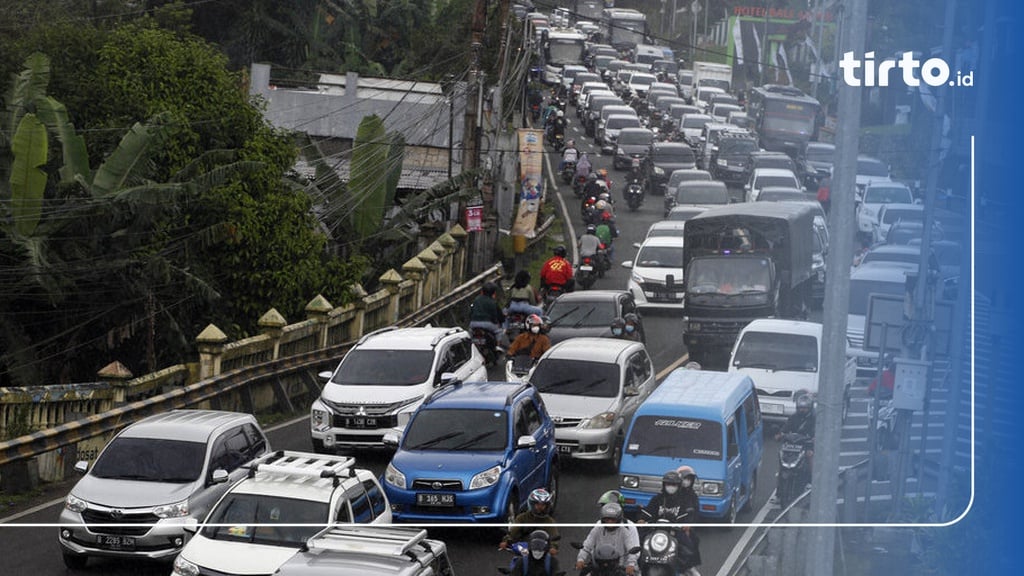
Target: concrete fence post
[117,376]
[391,279]
[272,324]
[429,260]
[211,347]
[459,234]
[450,246]
[359,320]
[444,280]
[414,270]
[318,309]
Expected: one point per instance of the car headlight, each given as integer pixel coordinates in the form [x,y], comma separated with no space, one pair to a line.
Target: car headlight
[630,481]
[620,152]
[662,544]
[659,171]
[394,477]
[176,510]
[722,162]
[711,488]
[486,478]
[183,567]
[75,504]
[602,420]
[693,327]
[317,417]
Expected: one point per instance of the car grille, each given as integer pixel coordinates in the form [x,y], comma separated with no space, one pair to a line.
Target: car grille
[657,292]
[778,394]
[211,572]
[103,522]
[446,485]
[367,409]
[563,422]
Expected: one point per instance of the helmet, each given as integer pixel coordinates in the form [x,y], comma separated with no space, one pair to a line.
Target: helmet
[687,475]
[489,288]
[591,229]
[671,477]
[604,196]
[611,496]
[601,205]
[632,321]
[535,320]
[592,177]
[540,495]
[570,143]
[560,113]
[804,403]
[618,326]
[539,543]
[602,184]
[603,172]
[611,511]
[560,251]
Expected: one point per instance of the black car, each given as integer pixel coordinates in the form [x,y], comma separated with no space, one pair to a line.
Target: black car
[588,313]
[728,162]
[593,112]
[763,159]
[817,158]
[662,160]
[631,143]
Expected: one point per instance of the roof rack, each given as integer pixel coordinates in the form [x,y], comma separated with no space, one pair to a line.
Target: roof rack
[302,464]
[370,540]
[377,331]
[443,335]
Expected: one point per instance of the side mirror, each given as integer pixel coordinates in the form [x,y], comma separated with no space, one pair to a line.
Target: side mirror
[219,476]
[733,450]
[526,441]
[447,378]
[637,246]
[628,264]
[325,376]
[630,391]
[82,466]
[190,526]
[391,439]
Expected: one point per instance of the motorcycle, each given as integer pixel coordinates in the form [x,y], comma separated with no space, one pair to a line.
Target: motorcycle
[516,324]
[568,171]
[662,554]
[585,274]
[519,550]
[603,261]
[634,195]
[487,344]
[558,142]
[551,293]
[794,472]
[604,566]
[578,185]
[518,367]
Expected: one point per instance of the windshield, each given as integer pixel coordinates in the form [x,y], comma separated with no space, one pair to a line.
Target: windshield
[879,256]
[892,216]
[667,66]
[673,437]
[695,122]
[660,257]
[736,147]
[577,378]
[724,109]
[888,195]
[251,518]
[674,155]
[666,231]
[781,196]
[582,314]
[860,290]
[685,78]
[622,122]
[820,154]
[728,276]
[702,195]
[680,176]
[766,181]
[641,79]
[684,214]
[151,460]
[715,83]
[476,430]
[775,162]
[870,167]
[802,127]
[789,352]
[644,137]
[364,367]
[563,51]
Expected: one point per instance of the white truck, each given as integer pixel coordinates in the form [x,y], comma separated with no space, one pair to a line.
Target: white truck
[712,74]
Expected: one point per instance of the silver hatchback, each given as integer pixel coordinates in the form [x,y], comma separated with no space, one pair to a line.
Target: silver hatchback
[152,480]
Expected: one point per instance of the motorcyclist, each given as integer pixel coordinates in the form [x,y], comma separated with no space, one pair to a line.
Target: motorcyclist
[522,297]
[632,328]
[570,154]
[678,502]
[802,422]
[612,529]
[533,341]
[592,188]
[583,166]
[635,176]
[536,99]
[538,516]
[556,272]
[550,113]
[589,243]
[541,560]
[618,328]
[558,125]
[485,313]
[602,174]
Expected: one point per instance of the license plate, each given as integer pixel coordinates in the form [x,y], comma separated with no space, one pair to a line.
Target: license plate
[116,542]
[360,422]
[769,408]
[432,499]
[564,449]
[586,268]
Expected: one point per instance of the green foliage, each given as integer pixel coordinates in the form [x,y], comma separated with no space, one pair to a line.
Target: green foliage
[369,176]
[28,180]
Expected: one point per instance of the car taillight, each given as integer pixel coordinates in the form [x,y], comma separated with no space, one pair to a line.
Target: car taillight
[586,260]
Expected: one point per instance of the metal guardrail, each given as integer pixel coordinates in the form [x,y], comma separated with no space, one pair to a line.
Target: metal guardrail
[215,388]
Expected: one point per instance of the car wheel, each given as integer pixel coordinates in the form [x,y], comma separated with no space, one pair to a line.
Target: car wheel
[616,458]
[730,516]
[511,508]
[752,493]
[74,561]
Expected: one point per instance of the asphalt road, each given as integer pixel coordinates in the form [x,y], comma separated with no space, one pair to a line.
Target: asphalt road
[34,550]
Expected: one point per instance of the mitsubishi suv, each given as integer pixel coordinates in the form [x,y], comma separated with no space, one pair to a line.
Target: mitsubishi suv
[382,380]
[473,452]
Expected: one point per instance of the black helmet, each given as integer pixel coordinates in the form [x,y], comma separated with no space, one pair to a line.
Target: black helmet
[671,477]
[489,288]
[560,251]
[804,403]
[591,229]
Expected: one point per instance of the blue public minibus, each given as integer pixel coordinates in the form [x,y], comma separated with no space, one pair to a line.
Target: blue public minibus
[707,420]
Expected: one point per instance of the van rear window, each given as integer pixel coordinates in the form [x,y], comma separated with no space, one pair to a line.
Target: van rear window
[674,437]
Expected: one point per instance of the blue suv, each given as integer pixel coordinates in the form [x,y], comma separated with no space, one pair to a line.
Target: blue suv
[472,452]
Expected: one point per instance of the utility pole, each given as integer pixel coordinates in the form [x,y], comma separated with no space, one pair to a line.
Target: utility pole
[837,294]
[471,136]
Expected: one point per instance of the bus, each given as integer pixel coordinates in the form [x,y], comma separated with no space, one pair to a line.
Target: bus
[623,28]
[784,117]
[560,47]
[589,10]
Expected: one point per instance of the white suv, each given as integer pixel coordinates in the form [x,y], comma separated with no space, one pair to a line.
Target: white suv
[383,379]
[657,278]
[288,497]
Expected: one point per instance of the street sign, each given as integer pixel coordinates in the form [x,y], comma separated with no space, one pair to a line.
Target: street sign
[888,310]
[911,384]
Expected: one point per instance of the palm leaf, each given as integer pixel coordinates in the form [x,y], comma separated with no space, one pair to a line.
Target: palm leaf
[76,158]
[29,85]
[130,161]
[28,180]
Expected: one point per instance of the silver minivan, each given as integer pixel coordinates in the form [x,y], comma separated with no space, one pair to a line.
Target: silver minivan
[153,479]
[592,387]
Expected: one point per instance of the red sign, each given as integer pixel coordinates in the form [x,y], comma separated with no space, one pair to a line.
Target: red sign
[474,218]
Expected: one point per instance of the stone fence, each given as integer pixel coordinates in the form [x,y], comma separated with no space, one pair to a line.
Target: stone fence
[425,278]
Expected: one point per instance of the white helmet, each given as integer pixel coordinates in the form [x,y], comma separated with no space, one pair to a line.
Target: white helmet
[601,205]
[560,113]
[602,184]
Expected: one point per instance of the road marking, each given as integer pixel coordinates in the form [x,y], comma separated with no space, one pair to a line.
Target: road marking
[741,544]
[672,366]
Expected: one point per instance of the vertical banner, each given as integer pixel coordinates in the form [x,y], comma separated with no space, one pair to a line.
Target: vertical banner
[531,181]
[474,218]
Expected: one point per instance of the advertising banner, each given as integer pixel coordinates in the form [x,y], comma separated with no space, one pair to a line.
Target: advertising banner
[531,181]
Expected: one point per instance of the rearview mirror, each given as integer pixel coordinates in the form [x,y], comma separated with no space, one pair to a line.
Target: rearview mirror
[391,439]
[628,264]
[635,245]
[526,441]
[630,391]
[325,376]
[219,476]
[82,466]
